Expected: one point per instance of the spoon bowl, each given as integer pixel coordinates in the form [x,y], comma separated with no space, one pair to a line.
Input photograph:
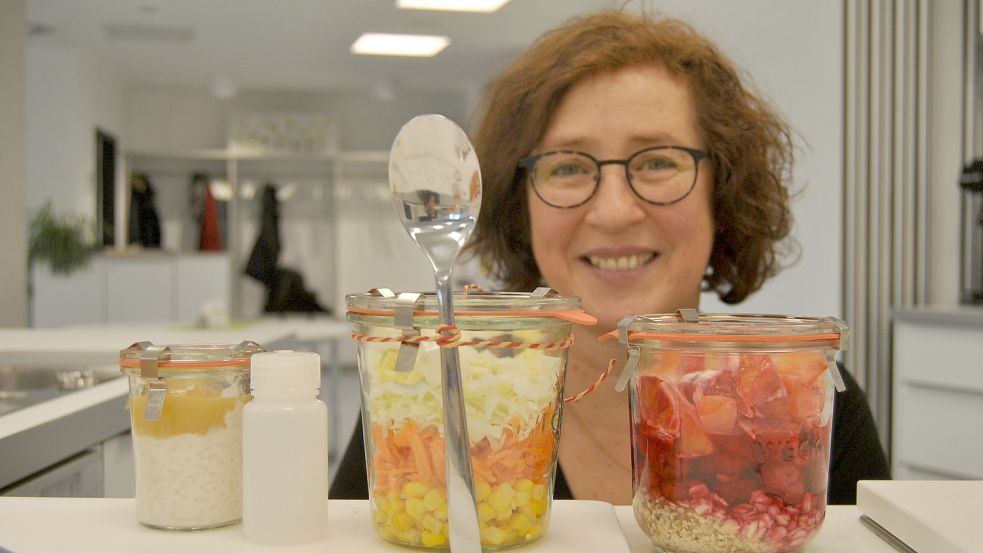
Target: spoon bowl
[436,188]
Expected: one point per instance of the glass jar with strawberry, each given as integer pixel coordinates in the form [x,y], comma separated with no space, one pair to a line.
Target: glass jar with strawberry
[730,422]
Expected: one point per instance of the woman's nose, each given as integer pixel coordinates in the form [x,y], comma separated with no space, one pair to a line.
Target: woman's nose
[614,205]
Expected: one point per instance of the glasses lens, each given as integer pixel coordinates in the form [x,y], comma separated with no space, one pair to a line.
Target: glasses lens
[662,175]
[565,179]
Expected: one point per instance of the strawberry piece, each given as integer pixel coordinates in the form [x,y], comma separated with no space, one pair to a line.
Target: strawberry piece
[659,404]
[757,380]
[698,469]
[719,383]
[806,366]
[774,409]
[805,399]
[784,480]
[724,383]
[774,441]
[718,414]
[733,453]
[659,470]
[730,466]
[693,441]
[691,362]
[737,491]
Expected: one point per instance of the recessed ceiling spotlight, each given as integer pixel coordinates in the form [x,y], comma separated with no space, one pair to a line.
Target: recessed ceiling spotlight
[482,6]
[380,44]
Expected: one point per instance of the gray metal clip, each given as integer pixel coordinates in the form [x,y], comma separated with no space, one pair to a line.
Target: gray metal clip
[544,292]
[623,329]
[834,371]
[631,367]
[403,319]
[156,386]
[689,315]
[382,292]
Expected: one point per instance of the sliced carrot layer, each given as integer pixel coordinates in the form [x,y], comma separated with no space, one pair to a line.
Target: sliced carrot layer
[412,453]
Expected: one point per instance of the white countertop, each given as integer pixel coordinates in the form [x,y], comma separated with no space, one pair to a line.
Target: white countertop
[42,525]
[34,433]
[90,344]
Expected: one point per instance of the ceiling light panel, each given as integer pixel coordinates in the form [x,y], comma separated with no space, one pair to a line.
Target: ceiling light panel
[482,6]
[380,44]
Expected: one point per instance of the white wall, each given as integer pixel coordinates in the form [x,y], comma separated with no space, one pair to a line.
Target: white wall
[183,119]
[945,149]
[70,94]
[792,53]
[13,223]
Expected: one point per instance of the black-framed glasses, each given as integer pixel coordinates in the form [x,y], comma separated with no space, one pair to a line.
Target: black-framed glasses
[660,175]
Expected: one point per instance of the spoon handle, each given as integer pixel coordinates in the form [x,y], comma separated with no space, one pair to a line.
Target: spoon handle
[461,511]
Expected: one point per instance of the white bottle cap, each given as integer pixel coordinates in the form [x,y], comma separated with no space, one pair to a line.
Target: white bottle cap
[285,370]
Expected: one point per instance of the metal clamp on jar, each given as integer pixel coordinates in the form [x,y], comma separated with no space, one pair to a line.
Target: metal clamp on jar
[186,418]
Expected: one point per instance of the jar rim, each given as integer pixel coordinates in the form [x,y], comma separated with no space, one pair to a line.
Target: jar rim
[737,329]
[475,304]
[193,356]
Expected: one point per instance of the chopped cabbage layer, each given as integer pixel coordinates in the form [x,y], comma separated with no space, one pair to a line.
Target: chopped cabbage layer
[499,392]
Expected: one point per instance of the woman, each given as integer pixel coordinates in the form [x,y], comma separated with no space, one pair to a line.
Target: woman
[570,136]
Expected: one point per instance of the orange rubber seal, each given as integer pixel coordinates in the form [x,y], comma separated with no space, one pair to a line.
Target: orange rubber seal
[680,337]
[135,364]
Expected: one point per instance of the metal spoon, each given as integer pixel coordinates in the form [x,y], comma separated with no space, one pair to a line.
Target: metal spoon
[436,187]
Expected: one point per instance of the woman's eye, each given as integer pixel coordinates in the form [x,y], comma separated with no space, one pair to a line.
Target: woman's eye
[656,164]
[567,170]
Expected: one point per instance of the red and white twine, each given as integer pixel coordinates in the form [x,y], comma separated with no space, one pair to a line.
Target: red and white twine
[592,387]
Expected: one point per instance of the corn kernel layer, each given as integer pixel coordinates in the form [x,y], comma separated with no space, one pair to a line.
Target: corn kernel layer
[509,514]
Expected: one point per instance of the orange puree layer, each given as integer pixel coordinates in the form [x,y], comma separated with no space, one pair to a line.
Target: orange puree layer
[183,414]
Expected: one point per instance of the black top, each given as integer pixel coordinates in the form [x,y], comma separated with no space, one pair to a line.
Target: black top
[856,454]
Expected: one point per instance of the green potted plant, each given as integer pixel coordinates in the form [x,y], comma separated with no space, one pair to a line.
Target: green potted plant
[63,241]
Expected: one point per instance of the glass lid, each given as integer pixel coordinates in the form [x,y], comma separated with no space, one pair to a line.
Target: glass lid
[190,355]
[689,326]
[540,303]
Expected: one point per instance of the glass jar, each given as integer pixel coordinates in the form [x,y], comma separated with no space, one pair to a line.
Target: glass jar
[730,428]
[185,407]
[513,352]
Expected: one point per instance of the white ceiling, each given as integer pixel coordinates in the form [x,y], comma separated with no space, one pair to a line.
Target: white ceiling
[291,44]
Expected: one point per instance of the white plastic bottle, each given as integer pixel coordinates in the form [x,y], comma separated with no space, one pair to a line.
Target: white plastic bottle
[285,450]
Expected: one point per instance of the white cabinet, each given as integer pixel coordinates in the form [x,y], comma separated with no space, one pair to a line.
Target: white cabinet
[78,298]
[130,288]
[142,289]
[938,393]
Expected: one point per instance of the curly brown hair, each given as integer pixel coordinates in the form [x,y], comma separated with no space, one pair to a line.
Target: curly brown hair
[750,146]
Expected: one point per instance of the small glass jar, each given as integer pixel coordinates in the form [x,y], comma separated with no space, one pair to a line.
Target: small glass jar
[512,386]
[730,425]
[185,407]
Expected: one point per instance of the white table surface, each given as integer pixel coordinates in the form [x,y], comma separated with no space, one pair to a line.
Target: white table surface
[97,345]
[42,525]
[102,343]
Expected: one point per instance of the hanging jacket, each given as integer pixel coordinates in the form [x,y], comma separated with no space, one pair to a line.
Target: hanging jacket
[262,261]
[144,224]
